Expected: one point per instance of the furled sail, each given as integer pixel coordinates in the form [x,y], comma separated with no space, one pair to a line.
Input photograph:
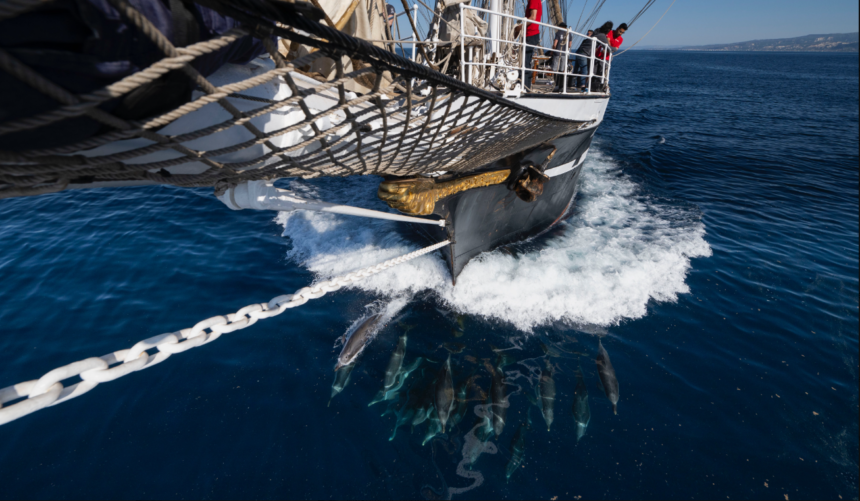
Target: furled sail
[364,19]
[555,14]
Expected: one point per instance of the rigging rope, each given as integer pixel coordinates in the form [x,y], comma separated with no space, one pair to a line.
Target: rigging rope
[580,16]
[49,390]
[393,115]
[594,12]
[649,31]
[648,5]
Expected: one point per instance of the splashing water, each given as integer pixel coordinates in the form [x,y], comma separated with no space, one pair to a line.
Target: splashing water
[619,250]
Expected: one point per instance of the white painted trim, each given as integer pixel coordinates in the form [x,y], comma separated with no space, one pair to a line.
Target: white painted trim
[561,169]
[583,110]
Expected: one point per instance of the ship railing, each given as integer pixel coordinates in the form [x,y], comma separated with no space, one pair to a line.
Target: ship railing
[598,67]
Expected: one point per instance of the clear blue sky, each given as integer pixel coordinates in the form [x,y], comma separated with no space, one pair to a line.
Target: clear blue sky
[700,22]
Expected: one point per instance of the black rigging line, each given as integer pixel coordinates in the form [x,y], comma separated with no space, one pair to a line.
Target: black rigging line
[580,16]
[648,5]
[593,16]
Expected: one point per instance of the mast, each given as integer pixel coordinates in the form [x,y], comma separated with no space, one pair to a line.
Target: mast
[555,14]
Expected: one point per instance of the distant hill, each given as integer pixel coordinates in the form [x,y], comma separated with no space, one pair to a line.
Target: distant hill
[835,42]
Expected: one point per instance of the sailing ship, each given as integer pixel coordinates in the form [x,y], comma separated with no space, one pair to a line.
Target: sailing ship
[235,95]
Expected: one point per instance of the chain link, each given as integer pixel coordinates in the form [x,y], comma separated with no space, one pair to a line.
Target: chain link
[49,390]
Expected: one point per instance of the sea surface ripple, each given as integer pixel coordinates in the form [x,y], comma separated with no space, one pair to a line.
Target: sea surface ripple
[713,253]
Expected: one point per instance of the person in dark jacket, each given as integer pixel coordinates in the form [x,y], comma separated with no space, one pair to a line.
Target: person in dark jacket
[580,61]
[558,59]
[601,53]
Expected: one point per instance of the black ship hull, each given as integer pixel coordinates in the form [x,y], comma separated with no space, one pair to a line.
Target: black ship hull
[482,219]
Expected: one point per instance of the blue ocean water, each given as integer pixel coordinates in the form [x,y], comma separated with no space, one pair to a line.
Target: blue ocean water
[713,253]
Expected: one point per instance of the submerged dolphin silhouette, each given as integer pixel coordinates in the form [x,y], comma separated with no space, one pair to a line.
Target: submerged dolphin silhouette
[607,376]
[581,411]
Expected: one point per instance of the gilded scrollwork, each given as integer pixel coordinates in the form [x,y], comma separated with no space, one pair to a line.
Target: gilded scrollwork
[418,196]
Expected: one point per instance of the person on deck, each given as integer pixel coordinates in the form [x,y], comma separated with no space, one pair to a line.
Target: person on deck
[580,61]
[601,53]
[558,58]
[614,36]
[533,12]
[391,14]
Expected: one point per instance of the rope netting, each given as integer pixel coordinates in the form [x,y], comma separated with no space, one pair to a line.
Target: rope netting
[411,119]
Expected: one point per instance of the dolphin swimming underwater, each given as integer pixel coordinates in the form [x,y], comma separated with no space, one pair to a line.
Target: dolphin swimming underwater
[607,376]
[461,404]
[392,372]
[546,393]
[358,340]
[444,393]
[341,379]
[581,411]
[395,363]
[401,378]
[434,427]
[518,448]
[498,398]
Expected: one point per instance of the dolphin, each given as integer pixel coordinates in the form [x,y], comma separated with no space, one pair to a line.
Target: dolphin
[434,428]
[581,412]
[461,404]
[483,427]
[401,378]
[422,414]
[498,398]
[392,372]
[404,416]
[395,363]
[546,393]
[550,351]
[503,357]
[394,406]
[341,379]
[358,340]
[408,412]
[607,376]
[423,398]
[444,393]
[518,446]
[482,430]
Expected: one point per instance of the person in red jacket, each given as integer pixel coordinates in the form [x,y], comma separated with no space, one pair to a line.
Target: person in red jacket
[614,36]
[533,12]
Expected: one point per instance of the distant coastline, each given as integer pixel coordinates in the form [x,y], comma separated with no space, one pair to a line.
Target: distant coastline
[834,42]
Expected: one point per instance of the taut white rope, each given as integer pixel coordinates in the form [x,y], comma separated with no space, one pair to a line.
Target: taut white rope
[49,390]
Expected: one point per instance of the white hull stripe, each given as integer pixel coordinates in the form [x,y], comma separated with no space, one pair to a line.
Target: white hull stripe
[561,169]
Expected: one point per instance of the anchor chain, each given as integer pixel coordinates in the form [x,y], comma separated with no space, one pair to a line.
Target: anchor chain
[49,390]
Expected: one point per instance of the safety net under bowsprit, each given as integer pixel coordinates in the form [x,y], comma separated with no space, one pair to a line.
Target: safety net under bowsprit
[150,100]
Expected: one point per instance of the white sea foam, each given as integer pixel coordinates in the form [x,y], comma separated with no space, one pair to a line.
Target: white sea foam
[620,250]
